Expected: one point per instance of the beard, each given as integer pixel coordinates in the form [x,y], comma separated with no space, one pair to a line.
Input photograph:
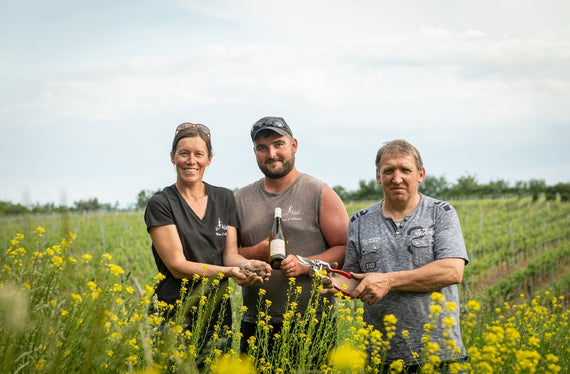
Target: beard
[279,173]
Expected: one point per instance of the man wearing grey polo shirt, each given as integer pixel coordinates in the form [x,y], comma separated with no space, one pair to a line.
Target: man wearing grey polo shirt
[403,249]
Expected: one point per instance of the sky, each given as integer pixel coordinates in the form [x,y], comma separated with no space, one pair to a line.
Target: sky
[91,91]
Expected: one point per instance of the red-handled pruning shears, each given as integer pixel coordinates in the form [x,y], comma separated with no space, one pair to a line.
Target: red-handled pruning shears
[317,265]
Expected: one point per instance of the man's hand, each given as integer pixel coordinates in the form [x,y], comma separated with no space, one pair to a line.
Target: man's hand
[333,283]
[328,286]
[372,287]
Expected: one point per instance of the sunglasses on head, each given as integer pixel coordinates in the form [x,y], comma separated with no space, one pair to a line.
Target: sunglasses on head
[274,122]
[197,126]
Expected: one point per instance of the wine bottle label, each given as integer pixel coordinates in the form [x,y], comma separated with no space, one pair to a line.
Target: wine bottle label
[277,247]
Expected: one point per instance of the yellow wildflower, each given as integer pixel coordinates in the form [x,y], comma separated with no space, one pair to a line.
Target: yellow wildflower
[448,322]
[347,358]
[390,320]
[40,364]
[397,366]
[57,261]
[533,341]
[435,309]
[473,305]
[438,297]
[451,306]
[117,287]
[229,364]
[76,298]
[116,269]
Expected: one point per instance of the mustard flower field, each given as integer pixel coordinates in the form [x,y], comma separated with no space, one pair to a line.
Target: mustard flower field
[76,296]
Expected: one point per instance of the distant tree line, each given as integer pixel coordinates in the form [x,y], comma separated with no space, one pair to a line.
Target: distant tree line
[465,187]
[92,204]
[438,187]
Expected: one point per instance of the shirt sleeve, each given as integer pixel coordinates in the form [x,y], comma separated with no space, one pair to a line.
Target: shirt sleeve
[232,210]
[158,211]
[448,240]
[351,258]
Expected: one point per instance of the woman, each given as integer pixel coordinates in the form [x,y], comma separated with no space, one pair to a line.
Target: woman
[193,227]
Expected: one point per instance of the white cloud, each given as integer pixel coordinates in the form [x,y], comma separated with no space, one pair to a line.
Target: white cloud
[346,75]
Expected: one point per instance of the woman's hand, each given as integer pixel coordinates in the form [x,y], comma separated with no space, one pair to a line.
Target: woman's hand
[250,273]
[261,268]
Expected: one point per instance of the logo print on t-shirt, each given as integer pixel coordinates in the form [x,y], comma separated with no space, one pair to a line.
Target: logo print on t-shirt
[292,214]
[221,228]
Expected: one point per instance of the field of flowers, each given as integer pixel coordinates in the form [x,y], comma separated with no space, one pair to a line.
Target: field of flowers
[75,292]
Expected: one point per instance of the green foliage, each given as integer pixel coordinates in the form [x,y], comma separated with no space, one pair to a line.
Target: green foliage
[438,187]
[9,208]
[434,186]
[121,233]
[367,191]
[79,303]
[466,187]
[515,246]
[143,197]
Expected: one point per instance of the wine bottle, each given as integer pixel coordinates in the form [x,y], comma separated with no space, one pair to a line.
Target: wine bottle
[277,242]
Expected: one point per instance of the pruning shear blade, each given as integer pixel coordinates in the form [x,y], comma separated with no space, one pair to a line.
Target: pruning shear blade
[317,265]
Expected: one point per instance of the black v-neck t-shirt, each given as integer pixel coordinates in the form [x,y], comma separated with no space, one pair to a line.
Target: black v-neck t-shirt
[203,240]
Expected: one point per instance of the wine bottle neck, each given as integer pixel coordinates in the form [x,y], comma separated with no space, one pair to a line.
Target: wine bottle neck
[277,213]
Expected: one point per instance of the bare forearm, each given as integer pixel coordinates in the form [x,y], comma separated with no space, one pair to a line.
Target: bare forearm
[188,269]
[291,267]
[431,277]
[259,251]
[333,254]
[235,259]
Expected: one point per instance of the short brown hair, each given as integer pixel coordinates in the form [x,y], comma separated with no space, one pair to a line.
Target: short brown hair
[399,147]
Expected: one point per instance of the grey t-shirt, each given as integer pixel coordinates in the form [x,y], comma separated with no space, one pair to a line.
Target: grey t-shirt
[377,244]
[301,206]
